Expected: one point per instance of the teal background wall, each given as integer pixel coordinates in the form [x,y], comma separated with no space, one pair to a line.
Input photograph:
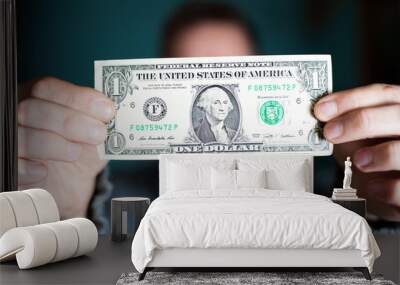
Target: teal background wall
[63,38]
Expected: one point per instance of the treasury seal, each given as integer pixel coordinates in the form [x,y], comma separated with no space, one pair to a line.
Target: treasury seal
[154,109]
[271,112]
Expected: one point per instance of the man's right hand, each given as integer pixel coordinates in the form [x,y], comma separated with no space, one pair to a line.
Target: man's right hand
[59,126]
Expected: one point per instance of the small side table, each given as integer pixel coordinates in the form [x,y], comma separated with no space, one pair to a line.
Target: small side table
[358,205]
[126,214]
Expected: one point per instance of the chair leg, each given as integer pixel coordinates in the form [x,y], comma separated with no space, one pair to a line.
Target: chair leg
[143,274]
[364,271]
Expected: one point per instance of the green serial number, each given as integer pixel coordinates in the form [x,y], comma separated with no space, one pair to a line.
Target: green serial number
[271,87]
[153,127]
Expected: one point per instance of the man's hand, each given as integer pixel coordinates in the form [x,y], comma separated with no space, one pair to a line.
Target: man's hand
[365,123]
[59,126]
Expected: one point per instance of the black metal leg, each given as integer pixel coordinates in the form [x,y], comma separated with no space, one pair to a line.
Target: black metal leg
[143,274]
[364,271]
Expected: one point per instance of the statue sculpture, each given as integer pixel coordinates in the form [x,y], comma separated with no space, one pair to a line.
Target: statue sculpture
[347,192]
[347,174]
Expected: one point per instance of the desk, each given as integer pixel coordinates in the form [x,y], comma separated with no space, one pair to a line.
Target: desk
[102,266]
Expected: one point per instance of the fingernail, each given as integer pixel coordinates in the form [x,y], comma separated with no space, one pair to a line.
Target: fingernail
[363,158]
[36,169]
[103,109]
[327,109]
[74,151]
[97,134]
[333,130]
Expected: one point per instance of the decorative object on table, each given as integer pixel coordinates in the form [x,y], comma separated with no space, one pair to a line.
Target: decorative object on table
[347,192]
[348,173]
[31,231]
[215,278]
[127,211]
[357,205]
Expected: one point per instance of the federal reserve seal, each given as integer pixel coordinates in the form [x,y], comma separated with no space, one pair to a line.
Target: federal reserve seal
[154,109]
[116,143]
[271,112]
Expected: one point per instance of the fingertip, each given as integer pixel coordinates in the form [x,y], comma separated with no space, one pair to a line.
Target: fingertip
[326,110]
[317,113]
[103,109]
[327,138]
[333,131]
[363,158]
[111,108]
[97,134]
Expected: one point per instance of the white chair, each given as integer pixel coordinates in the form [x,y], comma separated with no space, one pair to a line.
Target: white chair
[31,231]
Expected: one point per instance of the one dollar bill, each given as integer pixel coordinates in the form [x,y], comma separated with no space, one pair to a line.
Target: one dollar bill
[214,105]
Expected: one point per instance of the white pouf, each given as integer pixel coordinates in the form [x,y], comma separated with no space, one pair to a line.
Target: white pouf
[31,232]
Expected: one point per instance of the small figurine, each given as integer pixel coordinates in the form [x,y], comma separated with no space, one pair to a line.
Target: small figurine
[347,174]
[347,192]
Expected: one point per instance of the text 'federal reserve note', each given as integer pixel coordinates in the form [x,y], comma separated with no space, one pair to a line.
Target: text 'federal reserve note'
[214,105]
